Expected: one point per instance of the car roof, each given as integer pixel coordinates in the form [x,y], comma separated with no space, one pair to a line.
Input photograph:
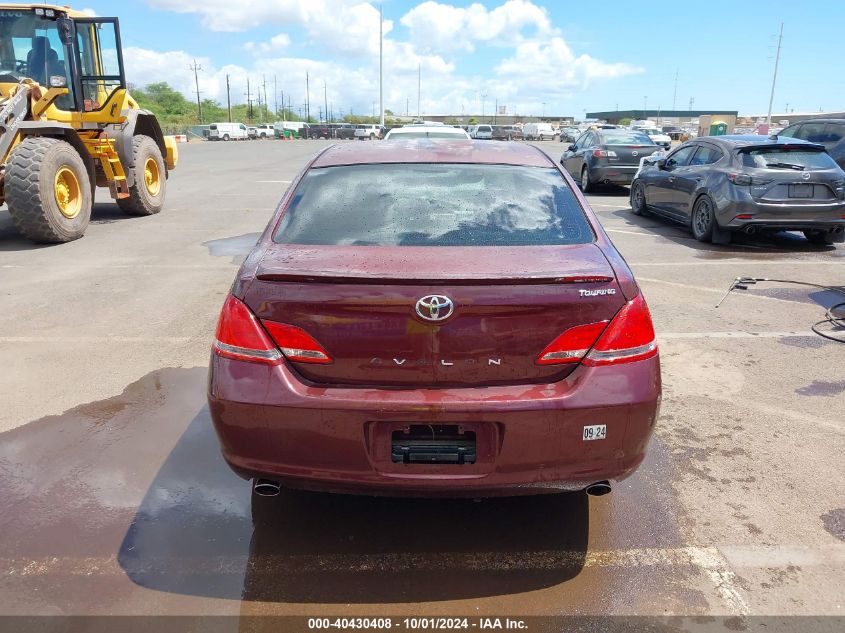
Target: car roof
[434,151]
[842,121]
[746,140]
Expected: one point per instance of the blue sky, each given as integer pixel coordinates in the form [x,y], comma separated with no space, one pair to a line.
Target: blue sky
[522,52]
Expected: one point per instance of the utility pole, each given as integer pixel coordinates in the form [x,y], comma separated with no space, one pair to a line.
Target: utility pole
[266,103]
[307,103]
[325,103]
[276,97]
[248,101]
[228,99]
[380,66]
[284,112]
[196,68]
[675,94]
[496,111]
[774,78]
[483,99]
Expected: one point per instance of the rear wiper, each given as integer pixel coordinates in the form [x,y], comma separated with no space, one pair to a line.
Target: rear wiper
[786,166]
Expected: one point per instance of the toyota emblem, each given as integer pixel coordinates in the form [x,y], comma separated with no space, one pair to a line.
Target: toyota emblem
[435,308]
[635,153]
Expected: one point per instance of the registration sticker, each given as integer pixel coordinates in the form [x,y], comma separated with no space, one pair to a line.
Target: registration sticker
[595,432]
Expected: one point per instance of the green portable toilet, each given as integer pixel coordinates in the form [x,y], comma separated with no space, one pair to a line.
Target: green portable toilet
[718,128]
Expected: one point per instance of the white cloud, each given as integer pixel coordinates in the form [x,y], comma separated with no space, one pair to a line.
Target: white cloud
[276,43]
[555,65]
[345,26]
[444,27]
[534,62]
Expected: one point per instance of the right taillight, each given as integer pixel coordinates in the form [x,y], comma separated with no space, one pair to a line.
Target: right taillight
[629,337]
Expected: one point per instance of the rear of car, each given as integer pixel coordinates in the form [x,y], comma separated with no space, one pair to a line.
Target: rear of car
[463,327]
[484,132]
[368,132]
[411,132]
[783,184]
[616,157]
[657,137]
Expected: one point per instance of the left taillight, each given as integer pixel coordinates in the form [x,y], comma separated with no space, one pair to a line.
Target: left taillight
[240,335]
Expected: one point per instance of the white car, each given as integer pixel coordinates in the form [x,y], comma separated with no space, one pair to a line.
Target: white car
[425,131]
[658,137]
[483,132]
[364,132]
[264,131]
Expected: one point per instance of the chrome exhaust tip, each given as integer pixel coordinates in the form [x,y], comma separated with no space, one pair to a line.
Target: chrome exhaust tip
[750,230]
[266,488]
[598,489]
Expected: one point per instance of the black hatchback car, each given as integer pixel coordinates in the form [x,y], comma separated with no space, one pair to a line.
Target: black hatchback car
[827,132]
[607,156]
[722,184]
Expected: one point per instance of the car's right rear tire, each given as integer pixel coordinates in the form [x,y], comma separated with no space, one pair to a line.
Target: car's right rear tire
[638,201]
[822,238]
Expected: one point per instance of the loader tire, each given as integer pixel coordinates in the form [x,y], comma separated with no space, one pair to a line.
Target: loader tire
[146,196]
[48,190]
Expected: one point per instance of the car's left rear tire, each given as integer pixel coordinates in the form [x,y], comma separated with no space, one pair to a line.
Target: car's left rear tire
[822,238]
[586,184]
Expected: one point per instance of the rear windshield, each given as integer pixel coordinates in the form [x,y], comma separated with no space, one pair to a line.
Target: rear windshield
[484,128]
[416,204]
[787,158]
[625,138]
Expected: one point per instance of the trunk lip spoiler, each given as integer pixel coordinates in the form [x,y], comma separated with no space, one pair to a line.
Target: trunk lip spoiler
[543,278]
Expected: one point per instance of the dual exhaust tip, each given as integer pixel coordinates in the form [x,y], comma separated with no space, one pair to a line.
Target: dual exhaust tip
[270,488]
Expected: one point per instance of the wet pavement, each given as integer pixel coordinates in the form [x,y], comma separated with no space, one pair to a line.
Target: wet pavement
[116,501]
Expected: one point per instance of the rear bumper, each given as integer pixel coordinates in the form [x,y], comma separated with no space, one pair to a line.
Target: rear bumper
[273,425]
[616,174]
[784,217]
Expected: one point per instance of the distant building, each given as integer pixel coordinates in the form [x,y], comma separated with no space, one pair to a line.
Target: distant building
[661,117]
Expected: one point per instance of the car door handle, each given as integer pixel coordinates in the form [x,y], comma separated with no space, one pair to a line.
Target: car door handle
[671,179]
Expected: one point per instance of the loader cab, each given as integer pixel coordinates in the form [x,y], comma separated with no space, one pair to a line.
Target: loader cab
[79,53]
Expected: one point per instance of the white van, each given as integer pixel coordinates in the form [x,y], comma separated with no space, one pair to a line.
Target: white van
[227,132]
[538,131]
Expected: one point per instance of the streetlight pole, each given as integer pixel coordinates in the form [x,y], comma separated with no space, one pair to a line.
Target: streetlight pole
[381,65]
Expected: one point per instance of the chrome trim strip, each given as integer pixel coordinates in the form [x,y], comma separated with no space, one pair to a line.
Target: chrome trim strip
[269,354]
[622,353]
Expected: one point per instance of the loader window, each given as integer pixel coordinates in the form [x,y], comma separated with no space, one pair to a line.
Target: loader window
[100,61]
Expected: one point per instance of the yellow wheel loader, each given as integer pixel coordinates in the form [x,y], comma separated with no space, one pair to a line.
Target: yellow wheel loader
[68,124]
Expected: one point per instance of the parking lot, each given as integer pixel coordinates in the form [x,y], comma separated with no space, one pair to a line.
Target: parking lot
[116,501]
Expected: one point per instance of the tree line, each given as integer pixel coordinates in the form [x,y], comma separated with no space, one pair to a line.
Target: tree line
[176,113]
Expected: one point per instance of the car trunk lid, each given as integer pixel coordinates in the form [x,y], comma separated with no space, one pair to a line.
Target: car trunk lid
[360,304]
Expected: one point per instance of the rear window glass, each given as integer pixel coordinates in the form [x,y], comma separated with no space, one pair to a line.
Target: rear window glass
[787,159]
[625,138]
[417,204]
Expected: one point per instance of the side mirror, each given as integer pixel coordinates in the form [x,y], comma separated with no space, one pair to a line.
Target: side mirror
[661,164]
[571,148]
[66,30]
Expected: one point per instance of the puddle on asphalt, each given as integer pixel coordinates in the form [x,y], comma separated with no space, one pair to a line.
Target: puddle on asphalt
[236,247]
[822,388]
[132,492]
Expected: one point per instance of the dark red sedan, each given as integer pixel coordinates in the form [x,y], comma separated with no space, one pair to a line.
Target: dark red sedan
[434,317]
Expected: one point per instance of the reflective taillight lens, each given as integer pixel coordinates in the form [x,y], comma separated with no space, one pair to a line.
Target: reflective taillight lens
[571,346]
[629,337]
[240,335]
[297,344]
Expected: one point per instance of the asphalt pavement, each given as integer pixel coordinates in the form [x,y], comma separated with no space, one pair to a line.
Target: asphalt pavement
[115,499]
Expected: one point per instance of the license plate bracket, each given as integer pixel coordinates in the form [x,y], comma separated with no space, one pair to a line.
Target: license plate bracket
[801,190]
[433,444]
